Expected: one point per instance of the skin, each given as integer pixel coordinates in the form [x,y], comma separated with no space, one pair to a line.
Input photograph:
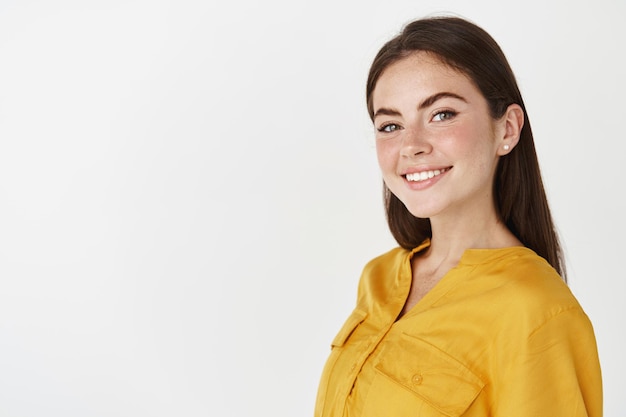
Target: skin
[431,117]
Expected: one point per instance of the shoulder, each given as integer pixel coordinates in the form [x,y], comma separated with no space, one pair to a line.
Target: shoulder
[385,268]
[383,275]
[526,289]
[390,259]
[531,278]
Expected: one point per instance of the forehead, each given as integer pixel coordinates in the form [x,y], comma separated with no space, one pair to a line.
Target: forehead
[418,59]
[420,73]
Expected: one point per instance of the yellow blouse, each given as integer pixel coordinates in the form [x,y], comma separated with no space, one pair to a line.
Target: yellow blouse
[500,335]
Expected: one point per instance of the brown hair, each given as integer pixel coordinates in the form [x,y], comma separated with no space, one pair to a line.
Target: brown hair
[520,198]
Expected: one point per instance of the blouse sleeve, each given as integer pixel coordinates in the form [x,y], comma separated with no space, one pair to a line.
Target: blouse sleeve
[555,372]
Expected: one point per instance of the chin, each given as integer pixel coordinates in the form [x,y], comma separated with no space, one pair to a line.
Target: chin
[421,212]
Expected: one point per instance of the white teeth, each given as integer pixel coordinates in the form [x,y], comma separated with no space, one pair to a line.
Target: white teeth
[424,175]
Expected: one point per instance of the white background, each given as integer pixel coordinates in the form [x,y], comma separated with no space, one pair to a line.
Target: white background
[189,190]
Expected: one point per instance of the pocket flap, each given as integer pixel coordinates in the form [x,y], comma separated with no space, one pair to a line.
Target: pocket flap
[436,377]
[355,318]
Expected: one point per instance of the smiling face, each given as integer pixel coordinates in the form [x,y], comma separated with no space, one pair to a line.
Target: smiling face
[437,145]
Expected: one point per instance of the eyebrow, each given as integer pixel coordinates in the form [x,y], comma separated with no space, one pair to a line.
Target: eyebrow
[429,101]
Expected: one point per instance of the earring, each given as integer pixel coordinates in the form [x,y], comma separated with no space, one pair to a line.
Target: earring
[506,147]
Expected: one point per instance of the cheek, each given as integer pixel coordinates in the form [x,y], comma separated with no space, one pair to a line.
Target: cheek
[476,144]
[386,154]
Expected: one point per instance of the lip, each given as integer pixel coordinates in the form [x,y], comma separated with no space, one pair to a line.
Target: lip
[434,173]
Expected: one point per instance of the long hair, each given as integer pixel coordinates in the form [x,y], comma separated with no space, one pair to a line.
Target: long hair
[519,194]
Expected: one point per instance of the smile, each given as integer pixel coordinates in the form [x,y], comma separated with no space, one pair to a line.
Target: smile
[425,175]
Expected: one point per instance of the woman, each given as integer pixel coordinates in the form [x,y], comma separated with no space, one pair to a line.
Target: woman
[471,315]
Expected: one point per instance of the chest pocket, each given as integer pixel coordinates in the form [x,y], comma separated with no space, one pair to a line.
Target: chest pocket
[429,380]
[348,327]
[335,370]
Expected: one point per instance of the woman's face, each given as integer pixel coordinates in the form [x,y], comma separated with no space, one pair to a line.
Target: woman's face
[437,144]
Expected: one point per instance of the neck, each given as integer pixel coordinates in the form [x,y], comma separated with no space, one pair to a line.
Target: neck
[451,238]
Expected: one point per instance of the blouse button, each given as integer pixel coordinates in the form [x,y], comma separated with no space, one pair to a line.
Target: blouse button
[417,379]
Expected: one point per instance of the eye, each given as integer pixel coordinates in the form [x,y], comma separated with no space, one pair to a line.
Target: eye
[388,128]
[444,115]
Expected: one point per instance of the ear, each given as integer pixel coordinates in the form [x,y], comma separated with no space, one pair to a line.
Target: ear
[513,120]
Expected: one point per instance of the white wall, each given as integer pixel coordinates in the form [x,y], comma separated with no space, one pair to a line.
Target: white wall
[188,191]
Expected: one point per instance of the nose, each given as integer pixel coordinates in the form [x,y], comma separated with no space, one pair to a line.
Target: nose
[414,143]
